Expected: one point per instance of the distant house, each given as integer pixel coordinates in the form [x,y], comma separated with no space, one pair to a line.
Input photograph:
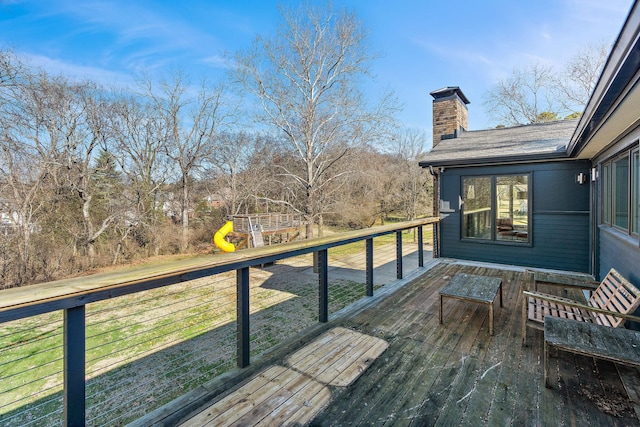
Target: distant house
[9,218]
[215,201]
[562,195]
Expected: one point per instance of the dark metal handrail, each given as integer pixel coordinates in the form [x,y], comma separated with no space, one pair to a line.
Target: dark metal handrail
[72,295]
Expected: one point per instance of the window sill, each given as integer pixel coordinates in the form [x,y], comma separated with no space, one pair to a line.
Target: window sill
[511,243]
[622,235]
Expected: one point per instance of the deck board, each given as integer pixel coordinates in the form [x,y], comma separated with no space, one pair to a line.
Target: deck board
[501,411]
[341,359]
[455,373]
[295,393]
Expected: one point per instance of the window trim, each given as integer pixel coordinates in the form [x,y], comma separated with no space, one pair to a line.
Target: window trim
[608,191]
[634,189]
[614,193]
[493,210]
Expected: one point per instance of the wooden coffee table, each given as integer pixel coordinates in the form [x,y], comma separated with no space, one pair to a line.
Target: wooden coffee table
[469,287]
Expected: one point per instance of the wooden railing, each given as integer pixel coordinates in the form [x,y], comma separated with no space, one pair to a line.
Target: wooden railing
[266,222]
[72,295]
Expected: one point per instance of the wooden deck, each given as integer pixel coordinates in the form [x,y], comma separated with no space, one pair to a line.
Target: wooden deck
[450,374]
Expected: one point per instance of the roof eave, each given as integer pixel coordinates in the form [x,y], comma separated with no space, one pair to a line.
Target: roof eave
[487,161]
[618,77]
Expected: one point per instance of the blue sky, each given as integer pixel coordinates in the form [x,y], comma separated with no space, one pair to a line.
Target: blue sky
[425,45]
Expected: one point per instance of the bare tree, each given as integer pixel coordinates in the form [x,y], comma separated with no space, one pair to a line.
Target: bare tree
[521,97]
[538,93]
[50,130]
[234,171]
[140,150]
[413,181]
[580,75]
[82,116]
[363,197]
[30,151]
[386,182]
[306,81]
[191,118]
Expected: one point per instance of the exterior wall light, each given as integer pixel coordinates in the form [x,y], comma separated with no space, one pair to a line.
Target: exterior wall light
[582,178]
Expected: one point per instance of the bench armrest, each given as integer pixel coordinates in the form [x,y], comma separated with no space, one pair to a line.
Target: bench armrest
[571,303]
[575,281]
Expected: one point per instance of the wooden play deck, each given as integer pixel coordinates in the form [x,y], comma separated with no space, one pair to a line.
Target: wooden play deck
[432,374]
[250,231]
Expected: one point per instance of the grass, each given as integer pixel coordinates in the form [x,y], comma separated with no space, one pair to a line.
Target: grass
[121,354]
[120,333]
[358,247]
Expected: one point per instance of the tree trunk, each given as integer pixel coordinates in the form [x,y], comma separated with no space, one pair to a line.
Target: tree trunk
[185,214]
[308,226]
[116,253]
[24,251]
[91,250]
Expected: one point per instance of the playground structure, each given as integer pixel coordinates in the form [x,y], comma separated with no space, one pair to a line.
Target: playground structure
[251,231]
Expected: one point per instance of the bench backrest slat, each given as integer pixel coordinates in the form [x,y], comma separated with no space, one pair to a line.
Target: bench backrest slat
[615,293]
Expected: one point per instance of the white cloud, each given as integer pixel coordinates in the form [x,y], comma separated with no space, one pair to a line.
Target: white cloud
[146,30]
[217,61]
[450,53]
[545,35]
[75,71]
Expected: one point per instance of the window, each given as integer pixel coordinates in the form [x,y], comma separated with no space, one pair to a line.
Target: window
[635,190]
[476,221]
[621,191]
[606,193]
[496,208]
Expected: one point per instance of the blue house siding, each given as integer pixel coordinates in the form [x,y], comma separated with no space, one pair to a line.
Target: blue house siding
[620,252]
[561,241]
[616,248]
[560,220]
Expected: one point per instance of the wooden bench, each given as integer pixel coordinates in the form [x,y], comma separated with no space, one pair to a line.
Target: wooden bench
[610,304]
[618,345]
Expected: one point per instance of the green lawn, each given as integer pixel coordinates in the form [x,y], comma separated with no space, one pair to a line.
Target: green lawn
[357,247]
[146,349]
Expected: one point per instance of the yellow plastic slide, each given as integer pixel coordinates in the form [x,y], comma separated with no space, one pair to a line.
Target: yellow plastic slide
[218,238]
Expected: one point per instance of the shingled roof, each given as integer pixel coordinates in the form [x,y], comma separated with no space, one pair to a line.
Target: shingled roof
[542,141]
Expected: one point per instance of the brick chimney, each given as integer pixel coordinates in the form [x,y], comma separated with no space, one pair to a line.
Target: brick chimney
[450,114]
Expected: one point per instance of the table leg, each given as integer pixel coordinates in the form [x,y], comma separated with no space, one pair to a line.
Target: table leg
[440,310]
[491,319]
[546,365]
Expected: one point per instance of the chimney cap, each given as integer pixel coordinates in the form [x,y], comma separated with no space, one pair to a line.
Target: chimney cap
[447,92]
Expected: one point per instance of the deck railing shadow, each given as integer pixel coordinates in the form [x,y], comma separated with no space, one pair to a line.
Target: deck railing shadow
[454,373]
[246,331]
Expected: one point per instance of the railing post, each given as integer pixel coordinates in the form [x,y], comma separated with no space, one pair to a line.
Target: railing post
[315,262]
[369,266]
[436,239]
[242,285]
[74,366]
[323,286]
[399,254]
[420,248]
